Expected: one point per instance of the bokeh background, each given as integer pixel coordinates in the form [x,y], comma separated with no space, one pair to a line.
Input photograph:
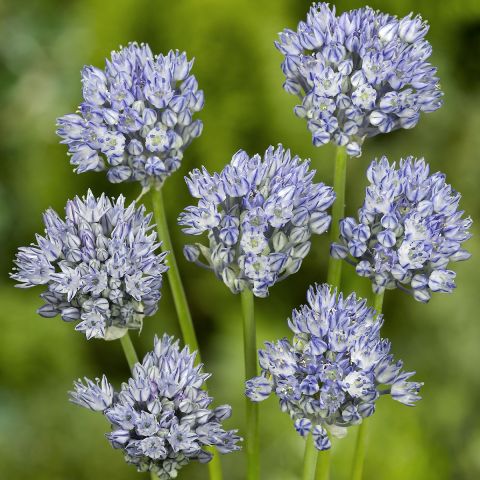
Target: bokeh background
[43,45]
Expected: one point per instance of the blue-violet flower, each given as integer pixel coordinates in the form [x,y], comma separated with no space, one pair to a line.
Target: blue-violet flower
[99,266]
[337,366]
[408,231]
[259,214]
[161,418]
[358,74]
[136,117]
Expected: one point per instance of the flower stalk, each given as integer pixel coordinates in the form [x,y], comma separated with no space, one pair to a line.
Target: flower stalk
[334,273]
[180,301]
[129,350]
[309,459]
[360,449]
[250,353]
[338,210]
[178,292]
[361,443]
[323,465]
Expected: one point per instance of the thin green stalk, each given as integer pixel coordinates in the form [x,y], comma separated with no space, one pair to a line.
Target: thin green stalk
[360,449]
[378,302]
[214,465]
[334,274]
[129,350]
[309,459]
[361,444]
[338,210]
[132,359]
[323,465]
[178,292]
[181,304]
[250,353]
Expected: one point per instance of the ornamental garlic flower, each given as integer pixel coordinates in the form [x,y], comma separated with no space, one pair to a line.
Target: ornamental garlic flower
[136,117]
[99,266]
[408,230]
[259,214]
[161,418]
[359,74]
[337,366]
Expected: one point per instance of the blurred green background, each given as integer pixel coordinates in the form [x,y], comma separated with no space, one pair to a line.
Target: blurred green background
[43,46]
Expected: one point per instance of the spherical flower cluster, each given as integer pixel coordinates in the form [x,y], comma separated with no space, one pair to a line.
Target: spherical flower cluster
[359,74]
[408,231]
[136,117]
[259,214]
[332,373]
[161,418]
[99,266]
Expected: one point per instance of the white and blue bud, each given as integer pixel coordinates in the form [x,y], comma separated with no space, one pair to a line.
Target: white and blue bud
[191,252]
[303,426]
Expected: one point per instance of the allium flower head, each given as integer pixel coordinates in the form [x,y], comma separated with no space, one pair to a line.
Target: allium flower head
[408,231]
[334,370]
[259,214]
[161,418]
[98,264]
[136,117]
[358,74]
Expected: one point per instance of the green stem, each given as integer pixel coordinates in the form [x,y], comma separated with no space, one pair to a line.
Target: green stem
[334,274]
[378,302]
[178,292]
[250,352]
[129,350]
[360,449]
[361,444]
[338,210]
[214,465]
[181,304]
[309,459]
[323,465]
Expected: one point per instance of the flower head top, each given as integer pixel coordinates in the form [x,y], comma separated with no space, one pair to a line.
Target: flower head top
[259,214]
[332,373]
[358,74]
[99,266]
[136,117]
[161,418]
[408,231]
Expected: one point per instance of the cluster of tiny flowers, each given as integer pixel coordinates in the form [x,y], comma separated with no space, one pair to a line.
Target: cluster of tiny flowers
[409,229]
[259,214]
[136,118]
[99,266]
[161,418]
[332,373]
[358,74]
